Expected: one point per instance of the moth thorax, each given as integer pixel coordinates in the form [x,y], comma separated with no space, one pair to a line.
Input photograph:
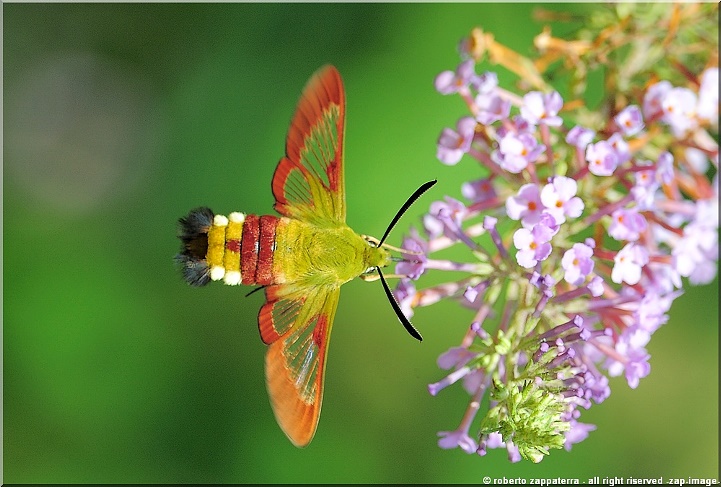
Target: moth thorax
[223,254]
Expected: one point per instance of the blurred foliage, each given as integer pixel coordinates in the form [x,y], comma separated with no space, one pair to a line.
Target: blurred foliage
[121,117]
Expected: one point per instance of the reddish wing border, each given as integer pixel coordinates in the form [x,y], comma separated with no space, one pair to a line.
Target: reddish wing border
[308,183]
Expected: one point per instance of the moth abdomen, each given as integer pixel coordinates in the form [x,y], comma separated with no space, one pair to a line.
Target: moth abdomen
[237,249]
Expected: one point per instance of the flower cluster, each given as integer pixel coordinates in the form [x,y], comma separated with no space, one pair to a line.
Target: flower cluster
[578,236]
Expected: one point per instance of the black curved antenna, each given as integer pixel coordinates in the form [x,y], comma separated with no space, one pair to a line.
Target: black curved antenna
[396,307]
[424,187]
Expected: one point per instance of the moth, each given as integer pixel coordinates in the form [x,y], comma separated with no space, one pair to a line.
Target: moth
[299,259]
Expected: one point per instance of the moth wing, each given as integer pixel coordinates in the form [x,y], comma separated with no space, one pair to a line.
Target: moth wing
[296,322]
[308,183]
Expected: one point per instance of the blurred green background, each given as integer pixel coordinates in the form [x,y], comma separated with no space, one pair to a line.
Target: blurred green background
[119,118]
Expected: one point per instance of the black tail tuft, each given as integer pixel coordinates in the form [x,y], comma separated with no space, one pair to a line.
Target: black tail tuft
[193,233]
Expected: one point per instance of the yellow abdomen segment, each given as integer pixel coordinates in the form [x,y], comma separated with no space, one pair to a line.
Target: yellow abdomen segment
[223,259]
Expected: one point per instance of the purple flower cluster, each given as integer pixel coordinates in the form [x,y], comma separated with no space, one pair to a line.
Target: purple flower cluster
[578,238]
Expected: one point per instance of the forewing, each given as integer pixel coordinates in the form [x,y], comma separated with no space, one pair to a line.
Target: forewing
[308,183]
[296,323]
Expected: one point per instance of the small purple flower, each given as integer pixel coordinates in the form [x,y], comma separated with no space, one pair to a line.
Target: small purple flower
[471,293]
[478,190]
[495,440]
[645,178]
[695,254]
[629,120]
[580,136]
[628,263]
[626,224]
[491,108]
[577,263]
[445,218]
[679,110]
[687,255]
[485,83]
[637,368]
[595,286]
[518,125]
[653,98]
[602,158]
[651,311]
[458,438]
[542,108]
[548,221]
[516,151]
[514,456]
[526,205]
[645,187]
[636,336]
[449,82]
[413,265]
[645,196]
[664,278]
[559,198]
[532,245]
[619,145]
[635,363]
[704,274]
[577,433]
[452,145]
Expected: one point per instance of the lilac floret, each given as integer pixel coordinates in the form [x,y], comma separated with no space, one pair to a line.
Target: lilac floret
[539,108]
[453,144]
[630,120]
[602,158]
